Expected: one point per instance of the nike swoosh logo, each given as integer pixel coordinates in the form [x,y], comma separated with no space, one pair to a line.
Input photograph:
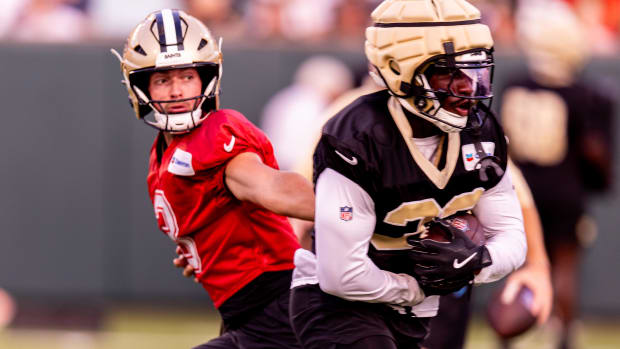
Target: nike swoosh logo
[229,147]
[458,265]
[352,161]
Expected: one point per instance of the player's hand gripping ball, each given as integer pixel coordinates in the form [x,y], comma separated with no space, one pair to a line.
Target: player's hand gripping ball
[511,319]
[448,254]
[466,222]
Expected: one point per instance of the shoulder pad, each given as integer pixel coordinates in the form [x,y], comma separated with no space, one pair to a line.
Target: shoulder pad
[350,139]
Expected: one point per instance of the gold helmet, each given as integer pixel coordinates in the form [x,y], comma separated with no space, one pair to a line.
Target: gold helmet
[552,62]
[171,39]
[412,39]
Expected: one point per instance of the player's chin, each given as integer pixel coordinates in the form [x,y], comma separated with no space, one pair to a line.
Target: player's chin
[178,110]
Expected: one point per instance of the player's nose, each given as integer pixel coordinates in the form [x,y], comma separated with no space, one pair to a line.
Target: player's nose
[462,85]
[176,89]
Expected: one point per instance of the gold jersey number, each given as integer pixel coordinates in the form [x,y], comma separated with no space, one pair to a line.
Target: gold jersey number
[422,211]
[536,124]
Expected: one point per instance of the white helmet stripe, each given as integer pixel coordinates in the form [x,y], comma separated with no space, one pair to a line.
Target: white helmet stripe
[161,31]
[169,30]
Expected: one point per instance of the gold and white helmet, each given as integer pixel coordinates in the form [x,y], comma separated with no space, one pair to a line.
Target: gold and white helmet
[411,39]
[171,39]
[552,62]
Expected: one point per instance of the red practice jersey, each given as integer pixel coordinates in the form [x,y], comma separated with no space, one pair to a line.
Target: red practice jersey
[228,242]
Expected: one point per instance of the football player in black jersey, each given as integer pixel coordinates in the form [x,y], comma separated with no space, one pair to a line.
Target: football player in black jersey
[396,161]
[560,127]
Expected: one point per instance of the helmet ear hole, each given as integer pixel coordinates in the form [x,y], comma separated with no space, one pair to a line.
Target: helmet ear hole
[202,44]
[140,50]
[394,66]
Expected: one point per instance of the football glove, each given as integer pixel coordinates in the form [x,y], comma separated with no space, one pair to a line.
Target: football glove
[445,267]
[441,287]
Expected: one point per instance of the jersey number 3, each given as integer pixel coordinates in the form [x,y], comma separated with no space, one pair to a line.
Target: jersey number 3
[168,224]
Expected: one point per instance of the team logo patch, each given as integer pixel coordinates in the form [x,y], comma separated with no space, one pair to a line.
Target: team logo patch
[346,213]
[460,224]
[181,163]
[228,147]
[471,157]
[351,161]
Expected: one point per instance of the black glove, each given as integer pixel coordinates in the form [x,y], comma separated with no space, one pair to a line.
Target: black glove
[440,286]
[445,267]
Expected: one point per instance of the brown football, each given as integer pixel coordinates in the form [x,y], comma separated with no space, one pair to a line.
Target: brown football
[511,319]
[466,222]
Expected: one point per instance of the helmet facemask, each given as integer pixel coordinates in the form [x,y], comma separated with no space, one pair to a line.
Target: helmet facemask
[452,91]
[177,122]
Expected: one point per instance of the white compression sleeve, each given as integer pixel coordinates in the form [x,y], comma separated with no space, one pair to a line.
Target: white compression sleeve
[343,266]
[499,213]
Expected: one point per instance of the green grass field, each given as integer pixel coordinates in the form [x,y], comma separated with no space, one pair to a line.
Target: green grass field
[133,327]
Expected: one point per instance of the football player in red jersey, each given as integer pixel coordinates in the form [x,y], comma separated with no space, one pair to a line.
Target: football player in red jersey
[214,181]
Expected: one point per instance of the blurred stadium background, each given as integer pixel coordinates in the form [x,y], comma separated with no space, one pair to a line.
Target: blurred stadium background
[80,253]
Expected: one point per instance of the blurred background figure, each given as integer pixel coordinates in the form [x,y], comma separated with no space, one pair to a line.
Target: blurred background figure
[351,20]
[290,20]
[560,130]
[224,15]
[45,21]
[601,19]
[9,9]
[292,117]
[299,22]
[263,19]
[113,19]
[499,16]
[310,21]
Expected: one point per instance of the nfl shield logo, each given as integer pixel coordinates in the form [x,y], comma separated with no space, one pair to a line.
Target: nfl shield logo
[460,224]
[346,213]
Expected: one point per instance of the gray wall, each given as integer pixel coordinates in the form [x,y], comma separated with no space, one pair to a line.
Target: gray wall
[78,223]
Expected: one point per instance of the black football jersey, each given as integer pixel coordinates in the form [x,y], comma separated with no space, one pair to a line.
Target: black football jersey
[367,143]
[547,127]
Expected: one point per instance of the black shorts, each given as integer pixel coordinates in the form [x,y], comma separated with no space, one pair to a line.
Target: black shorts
[323,321]
[268,329]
